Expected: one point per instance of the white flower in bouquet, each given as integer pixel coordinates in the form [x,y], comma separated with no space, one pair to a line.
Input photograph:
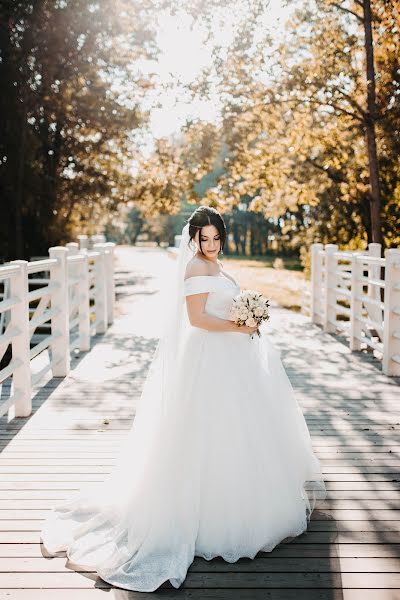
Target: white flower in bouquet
[250,308]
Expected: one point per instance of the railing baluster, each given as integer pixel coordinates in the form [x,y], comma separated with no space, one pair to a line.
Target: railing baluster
[84,304]
[20,345]
[391,326]
[355,303]
[110,283]
[316,283]
[60,321]
[330,284]
[100,289]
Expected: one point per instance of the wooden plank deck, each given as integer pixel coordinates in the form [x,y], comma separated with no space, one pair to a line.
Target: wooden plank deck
[352,548]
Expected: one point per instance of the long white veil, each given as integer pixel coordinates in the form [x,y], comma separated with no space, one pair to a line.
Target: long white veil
[156,407]
[147,501]
[175,322]
[129,499]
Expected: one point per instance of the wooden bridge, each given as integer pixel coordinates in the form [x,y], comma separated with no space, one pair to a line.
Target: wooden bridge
[352,548]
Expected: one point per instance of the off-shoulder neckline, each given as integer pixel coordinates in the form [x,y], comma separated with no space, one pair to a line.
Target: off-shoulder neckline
[214,276]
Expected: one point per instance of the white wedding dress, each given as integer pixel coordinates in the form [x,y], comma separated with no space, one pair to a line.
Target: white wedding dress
[227,470]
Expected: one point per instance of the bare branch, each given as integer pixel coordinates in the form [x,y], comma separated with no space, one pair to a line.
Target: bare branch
[347,10]
[333,105]
[354,104]
[333,174]
[340,109]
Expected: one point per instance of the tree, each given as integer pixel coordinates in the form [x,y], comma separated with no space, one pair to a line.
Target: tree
[67,125]
[308,132]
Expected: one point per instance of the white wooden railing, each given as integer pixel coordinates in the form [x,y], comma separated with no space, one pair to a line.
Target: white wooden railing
[358,293]
[69,299]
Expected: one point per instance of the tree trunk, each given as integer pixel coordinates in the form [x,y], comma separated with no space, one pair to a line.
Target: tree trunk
[375,192]
[243,239]
[19,241]
[236,237]
[252,239]
[136,233]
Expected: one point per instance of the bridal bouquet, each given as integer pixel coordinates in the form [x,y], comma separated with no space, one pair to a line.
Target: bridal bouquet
[250,308]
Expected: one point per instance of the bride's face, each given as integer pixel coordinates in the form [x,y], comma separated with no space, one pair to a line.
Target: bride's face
[210,241]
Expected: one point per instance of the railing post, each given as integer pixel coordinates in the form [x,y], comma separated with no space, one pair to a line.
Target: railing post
[81,270]
[110,281]
[391,322]
[374,271]
[100,289]
[83,241]
[316,283]
[84,303]
[72,270]
[374,292]
[355,304]
[72,247]
[60,322]
[330,283]
[5,316]
[19,318]
[97,239]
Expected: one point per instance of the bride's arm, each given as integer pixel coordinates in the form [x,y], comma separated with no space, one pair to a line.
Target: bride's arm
[199,318]
[196,304]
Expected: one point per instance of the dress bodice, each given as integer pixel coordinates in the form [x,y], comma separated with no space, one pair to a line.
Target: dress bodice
[221,292]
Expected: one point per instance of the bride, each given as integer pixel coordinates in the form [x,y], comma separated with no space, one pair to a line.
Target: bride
[218,461]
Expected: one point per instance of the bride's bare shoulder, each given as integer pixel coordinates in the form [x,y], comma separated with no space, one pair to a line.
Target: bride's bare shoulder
[196,267]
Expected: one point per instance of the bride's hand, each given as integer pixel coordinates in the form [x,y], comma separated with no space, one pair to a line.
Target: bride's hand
[247,329]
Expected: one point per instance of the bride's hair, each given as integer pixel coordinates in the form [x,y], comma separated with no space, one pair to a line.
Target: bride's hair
[202,216]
